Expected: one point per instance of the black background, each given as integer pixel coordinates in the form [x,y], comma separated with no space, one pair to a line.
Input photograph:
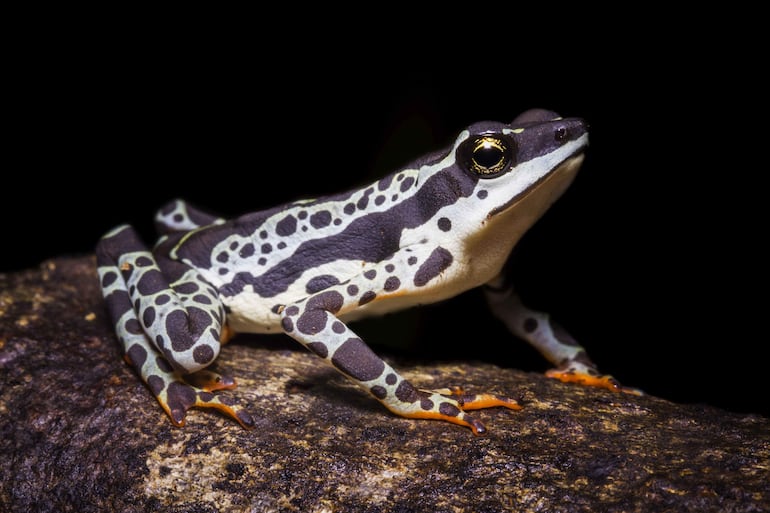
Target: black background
[653,259]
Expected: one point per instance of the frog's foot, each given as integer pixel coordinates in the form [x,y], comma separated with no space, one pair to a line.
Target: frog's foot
[450,405]
[177,394]
[588,376]
[477,401]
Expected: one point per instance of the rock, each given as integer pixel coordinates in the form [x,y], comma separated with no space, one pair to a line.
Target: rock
[81,433]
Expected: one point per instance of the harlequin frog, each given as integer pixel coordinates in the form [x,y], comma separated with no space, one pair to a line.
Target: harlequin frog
[442,225]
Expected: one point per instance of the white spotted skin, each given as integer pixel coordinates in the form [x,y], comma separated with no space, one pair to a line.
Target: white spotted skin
[440,226]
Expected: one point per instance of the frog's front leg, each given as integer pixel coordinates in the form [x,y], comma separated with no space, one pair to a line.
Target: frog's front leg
[571,360]
[315,323]
[169,321]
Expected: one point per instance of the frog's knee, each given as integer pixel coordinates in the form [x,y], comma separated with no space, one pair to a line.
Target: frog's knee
[188,339]
[199,355]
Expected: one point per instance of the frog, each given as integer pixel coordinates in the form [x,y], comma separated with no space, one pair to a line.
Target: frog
[445,223]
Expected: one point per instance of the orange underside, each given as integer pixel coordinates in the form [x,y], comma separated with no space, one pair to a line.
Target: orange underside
[227,334]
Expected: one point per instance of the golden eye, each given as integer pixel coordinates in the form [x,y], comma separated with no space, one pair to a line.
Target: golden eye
[488,156]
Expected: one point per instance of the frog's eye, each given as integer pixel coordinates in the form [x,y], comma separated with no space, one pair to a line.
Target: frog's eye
[487,156]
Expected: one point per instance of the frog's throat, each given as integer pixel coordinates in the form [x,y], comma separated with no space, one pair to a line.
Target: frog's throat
[546,190]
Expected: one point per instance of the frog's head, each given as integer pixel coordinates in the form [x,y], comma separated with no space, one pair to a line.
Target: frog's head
[530,161]
[519,169]
[497,179]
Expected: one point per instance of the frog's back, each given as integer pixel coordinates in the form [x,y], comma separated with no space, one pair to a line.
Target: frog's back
[278,255]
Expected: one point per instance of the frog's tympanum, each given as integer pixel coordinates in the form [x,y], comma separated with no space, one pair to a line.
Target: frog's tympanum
[444,224]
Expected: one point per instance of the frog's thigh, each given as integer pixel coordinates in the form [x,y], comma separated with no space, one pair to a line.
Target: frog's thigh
[313,323]
[178,311]
[119,254]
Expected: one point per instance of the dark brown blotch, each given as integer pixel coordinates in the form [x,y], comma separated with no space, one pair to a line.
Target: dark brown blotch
[148,317]
[355,358]
[392,284]
[319,348]
[163,364]
[109,278]
[378,391]
[203,354]
[132,326]
[156,384]
[180,399]
[530,324]
[137,355]
[406,393]
[449,409]
[367,297]
[439,259]
[151,283]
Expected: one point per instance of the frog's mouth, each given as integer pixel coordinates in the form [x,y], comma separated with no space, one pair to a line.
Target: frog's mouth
[548,187]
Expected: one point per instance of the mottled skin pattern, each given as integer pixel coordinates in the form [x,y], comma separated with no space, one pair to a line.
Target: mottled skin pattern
[442,225]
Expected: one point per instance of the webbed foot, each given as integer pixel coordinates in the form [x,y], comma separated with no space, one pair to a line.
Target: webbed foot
[178,395]
[450,405]
[592,379]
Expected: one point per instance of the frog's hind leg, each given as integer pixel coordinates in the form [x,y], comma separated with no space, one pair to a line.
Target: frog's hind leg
[168,331]
[570,358]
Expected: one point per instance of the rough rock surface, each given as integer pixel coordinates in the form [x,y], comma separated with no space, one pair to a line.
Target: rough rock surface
[79,432]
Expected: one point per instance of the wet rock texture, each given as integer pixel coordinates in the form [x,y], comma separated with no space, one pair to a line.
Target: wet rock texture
[79,432]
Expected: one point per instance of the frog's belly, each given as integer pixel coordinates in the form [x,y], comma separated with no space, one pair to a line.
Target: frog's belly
[251,313]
